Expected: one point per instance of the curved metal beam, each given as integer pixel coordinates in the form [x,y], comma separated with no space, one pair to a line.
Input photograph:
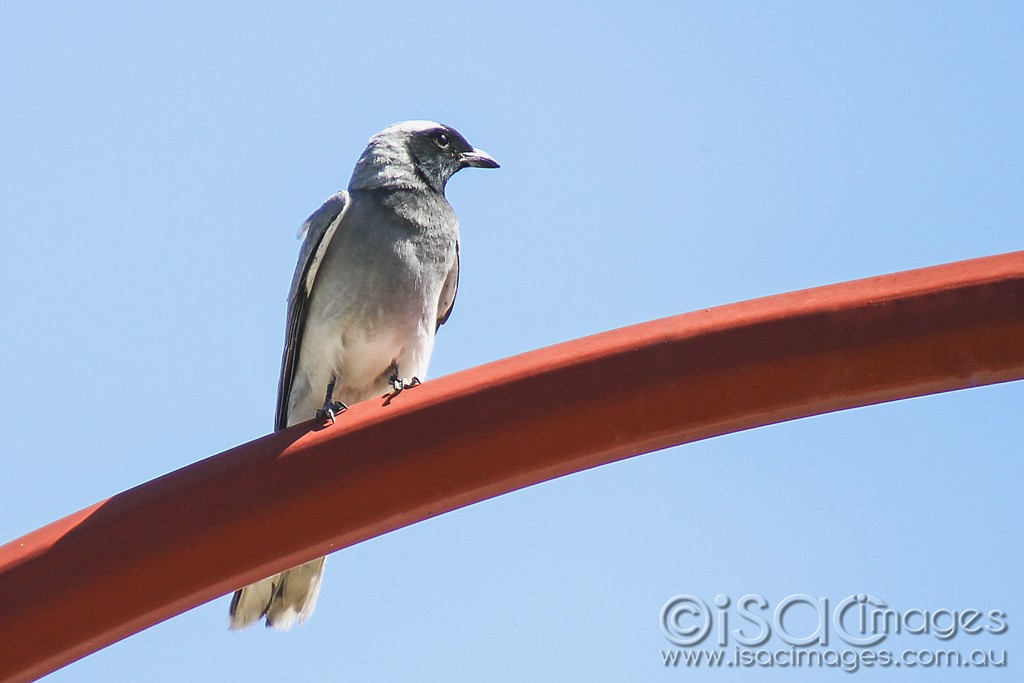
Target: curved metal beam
[161,548]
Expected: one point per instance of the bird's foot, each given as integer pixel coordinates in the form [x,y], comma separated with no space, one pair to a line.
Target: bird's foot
[330,409]
[399,384]
[403,384]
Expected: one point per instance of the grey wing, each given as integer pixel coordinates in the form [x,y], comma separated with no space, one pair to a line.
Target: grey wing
[319,228]
[449,289]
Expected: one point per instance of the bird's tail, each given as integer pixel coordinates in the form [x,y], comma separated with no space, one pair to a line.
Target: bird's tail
[283,599]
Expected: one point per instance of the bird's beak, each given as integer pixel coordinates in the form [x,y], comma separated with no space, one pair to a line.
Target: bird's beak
[477,158]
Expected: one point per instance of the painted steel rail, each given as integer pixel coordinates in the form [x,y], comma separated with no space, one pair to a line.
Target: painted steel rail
[170,544]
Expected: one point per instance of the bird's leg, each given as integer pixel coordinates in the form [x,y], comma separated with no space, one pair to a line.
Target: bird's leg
[330,407]
[399,386]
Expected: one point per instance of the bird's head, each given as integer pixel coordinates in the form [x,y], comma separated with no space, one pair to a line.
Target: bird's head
[412,154]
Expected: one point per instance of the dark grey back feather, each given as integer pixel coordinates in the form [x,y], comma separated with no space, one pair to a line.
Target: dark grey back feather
[319,228]
[446,302]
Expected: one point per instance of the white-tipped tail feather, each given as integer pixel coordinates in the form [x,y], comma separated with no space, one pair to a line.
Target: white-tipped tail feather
[284,599]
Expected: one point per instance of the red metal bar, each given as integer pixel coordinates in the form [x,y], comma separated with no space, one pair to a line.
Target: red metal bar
[166,546]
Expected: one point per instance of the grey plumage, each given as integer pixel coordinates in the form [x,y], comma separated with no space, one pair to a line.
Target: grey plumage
[376,277]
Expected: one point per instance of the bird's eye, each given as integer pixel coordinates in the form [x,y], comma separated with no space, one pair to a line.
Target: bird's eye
[442,140]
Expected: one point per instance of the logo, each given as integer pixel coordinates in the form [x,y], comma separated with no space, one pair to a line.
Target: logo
[818,631]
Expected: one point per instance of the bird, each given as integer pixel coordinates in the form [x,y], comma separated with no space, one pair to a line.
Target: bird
[376,278]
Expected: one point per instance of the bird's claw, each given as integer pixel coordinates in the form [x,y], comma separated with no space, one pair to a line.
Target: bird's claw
[402,384]
[330,410]
[399,386]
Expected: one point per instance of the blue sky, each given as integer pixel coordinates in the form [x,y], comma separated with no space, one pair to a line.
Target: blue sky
[157,160]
